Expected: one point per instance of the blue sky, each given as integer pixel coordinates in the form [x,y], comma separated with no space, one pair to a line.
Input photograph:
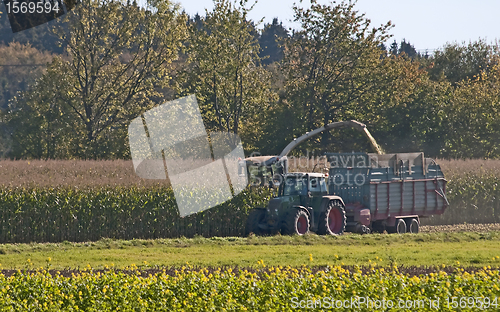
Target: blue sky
[427,24]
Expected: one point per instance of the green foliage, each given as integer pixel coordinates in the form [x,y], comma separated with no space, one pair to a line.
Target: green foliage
[259,289]
[473,117]
[442,118]
[405,48]
[408,109]
[277,129]
[118,55]
[331,64]
[271,42]
[224,71]
[459,62]
[15,79]
[42,127]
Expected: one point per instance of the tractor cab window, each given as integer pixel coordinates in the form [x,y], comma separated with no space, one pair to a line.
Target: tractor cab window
[322,185]
[295,186]
[314,185]
[317,184]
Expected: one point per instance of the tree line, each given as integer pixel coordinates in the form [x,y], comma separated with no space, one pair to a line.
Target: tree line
[114,60]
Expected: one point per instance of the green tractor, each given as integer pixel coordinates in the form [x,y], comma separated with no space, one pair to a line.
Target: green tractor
[302,205]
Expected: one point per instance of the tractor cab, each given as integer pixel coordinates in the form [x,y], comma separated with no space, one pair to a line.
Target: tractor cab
[301,184]
[305,189]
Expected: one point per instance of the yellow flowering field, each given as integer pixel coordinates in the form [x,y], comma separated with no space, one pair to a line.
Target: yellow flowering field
[257,288]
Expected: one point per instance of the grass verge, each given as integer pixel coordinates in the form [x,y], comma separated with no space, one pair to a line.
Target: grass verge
[428,249]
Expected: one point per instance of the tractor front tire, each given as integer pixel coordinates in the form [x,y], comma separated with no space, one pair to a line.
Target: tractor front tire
[296,222]
[333,220]
[255,217]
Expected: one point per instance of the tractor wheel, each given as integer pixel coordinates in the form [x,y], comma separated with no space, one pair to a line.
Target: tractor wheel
[333,220]
[255,217]
[378,227]
[399,228]
[413,226]
[296,222]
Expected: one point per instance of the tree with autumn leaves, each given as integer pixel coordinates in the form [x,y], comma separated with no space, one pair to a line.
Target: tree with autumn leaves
[118,57]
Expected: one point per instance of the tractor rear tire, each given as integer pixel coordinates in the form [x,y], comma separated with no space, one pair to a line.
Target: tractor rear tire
[413,226]
[333,220]
[296,222]
[255,217]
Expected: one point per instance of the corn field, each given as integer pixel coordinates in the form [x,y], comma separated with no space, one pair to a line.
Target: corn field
[72,214]
[473,191]
[54,201]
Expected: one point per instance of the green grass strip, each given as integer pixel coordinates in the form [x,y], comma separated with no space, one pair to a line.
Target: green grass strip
[468,249]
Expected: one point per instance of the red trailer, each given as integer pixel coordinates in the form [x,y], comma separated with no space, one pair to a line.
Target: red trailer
[387,191]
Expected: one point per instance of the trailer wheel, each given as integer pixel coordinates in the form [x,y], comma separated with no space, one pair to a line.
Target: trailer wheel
[333,220]
[296,222]
[401,226]
[255,217]
[413,226]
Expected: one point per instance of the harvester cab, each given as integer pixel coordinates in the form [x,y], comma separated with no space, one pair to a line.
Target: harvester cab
[263,170]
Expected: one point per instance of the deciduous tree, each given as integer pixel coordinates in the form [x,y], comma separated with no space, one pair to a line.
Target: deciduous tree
[456,62]
[225,72]
[20,65]
[118,55]
[332,63]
